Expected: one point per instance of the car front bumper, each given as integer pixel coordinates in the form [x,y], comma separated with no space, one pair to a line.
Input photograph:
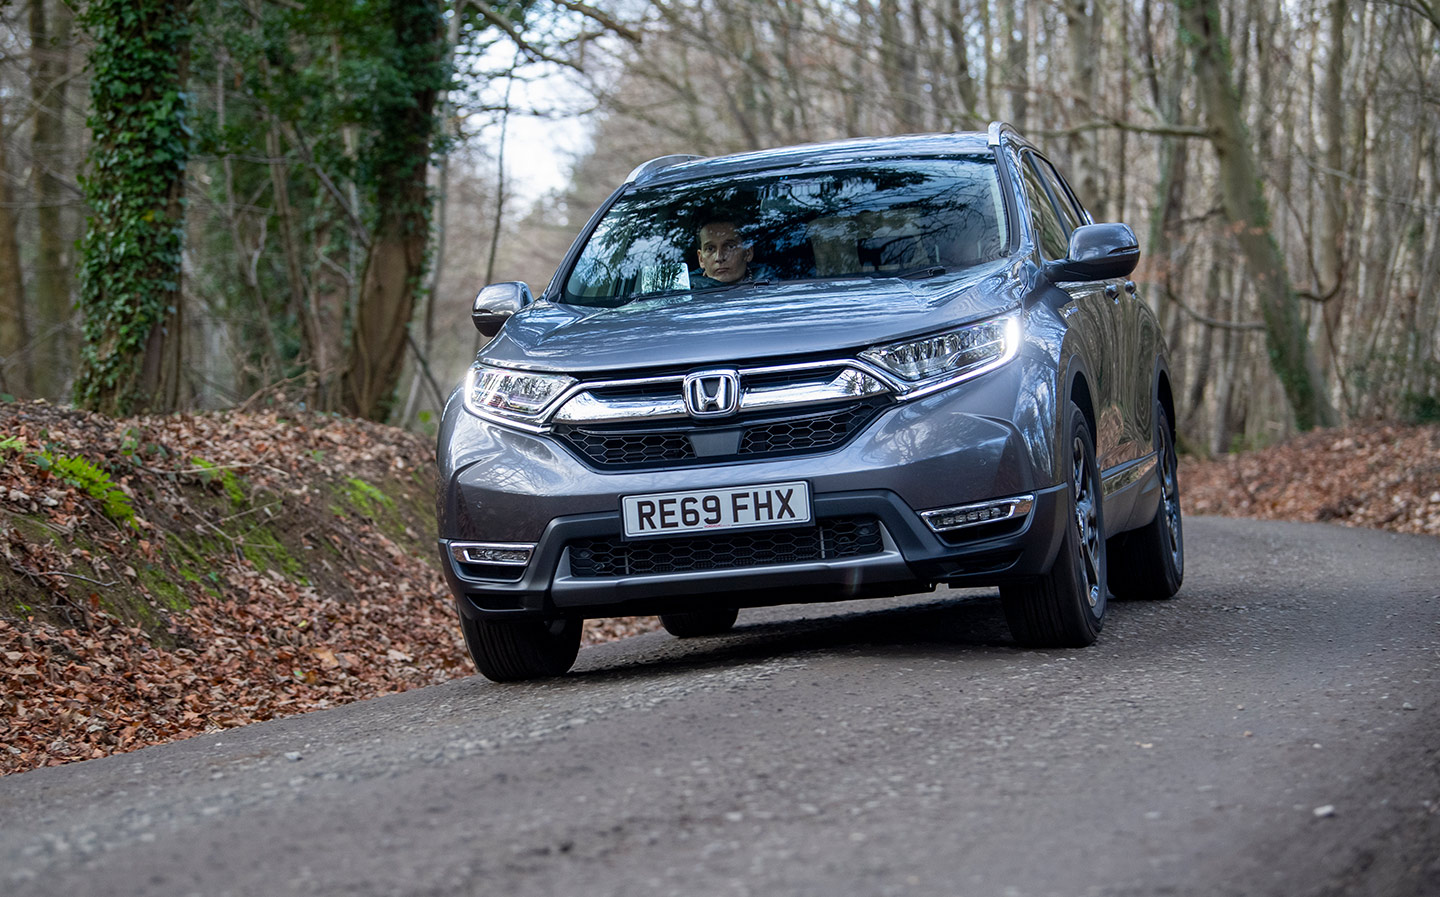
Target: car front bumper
[910,558]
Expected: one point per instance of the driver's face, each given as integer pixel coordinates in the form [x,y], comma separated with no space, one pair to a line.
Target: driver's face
[722,256]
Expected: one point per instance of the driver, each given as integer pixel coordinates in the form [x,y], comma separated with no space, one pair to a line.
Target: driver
[724,257]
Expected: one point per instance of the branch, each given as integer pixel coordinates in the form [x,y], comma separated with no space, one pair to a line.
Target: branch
[425,366]
[76,576]
[356,225]
[1322,298]
[1214,322]
[187,471]
[1429,11]
[507,26]
[1309,250]
[275,388]
[1154,130]
[608,23]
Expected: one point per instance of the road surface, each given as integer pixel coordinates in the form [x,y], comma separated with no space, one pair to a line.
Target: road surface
[1271,731]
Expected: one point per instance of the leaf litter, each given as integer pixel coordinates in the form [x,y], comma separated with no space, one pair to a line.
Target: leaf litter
[113,638]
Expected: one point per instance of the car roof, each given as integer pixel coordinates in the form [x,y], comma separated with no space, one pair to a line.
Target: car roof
[854,150]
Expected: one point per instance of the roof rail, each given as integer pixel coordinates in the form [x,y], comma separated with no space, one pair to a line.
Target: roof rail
[998,128]
[658,163]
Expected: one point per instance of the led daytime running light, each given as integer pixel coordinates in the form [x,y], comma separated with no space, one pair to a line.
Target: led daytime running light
[511,393]
[505,554]
[956,352]
[945,519]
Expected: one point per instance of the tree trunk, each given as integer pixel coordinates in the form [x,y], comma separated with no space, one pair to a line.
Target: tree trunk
[1246,208]
[897,66]
[50,28]
[1017,69]
[14,330]
[988,60]
[1083,28]
[395,265]
[964,81]
[1330,244]
[130,293]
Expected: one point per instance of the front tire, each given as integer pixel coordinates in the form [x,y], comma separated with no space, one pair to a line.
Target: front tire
[515,650]
[695,623]
[1065,608]
[1150,562]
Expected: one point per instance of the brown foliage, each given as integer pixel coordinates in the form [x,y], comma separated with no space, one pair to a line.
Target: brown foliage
[81,676]
[1386,477]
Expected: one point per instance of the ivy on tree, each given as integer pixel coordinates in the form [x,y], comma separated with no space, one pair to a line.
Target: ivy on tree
[131,254]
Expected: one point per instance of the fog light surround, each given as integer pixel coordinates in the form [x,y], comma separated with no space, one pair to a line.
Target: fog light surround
[943,520]
[503,554]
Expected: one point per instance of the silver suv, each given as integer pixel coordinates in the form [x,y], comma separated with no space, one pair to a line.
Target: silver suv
[807,374]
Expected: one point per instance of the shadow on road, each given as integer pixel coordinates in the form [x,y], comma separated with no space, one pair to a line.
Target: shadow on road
[947,624]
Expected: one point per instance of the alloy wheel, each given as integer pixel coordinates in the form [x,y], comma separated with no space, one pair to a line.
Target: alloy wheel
[1087,521]
[1170,493]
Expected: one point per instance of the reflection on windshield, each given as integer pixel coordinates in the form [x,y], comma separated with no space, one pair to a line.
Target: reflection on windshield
[897,218]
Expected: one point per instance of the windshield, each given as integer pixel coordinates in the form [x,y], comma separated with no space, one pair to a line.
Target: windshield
[875,219]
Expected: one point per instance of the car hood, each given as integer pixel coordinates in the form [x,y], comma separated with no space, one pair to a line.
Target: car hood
[748,322]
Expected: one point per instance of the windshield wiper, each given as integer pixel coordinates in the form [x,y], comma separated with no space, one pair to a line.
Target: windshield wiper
[923,273]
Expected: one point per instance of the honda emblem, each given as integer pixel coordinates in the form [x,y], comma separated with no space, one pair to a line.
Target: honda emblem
[712,393]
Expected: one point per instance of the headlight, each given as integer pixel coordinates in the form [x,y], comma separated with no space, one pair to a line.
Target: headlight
[518,395]
[943,358]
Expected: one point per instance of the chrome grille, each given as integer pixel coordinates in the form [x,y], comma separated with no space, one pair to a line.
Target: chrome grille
[832,539]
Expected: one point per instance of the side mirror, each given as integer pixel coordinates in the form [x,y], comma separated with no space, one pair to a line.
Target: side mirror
[1097,252]
[496,303]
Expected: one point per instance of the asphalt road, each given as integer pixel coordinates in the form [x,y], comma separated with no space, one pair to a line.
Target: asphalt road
[1272,730]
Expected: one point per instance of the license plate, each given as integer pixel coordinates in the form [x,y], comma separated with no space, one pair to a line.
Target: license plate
[706,510]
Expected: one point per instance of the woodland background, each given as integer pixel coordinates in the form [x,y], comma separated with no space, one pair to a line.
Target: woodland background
[222,203]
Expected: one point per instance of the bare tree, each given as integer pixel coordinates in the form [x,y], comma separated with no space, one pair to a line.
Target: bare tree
[52,185]
[14,328]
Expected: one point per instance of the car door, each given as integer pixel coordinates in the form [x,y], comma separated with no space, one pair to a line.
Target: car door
[1097,329]
[1135,344]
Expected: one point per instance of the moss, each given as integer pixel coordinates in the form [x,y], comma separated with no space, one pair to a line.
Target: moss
[232,485]
[21,597]
[192,556]
[365,498]
[157,581]
[33,530]
[143,600]
[261,548]
[130,605]
[195,549]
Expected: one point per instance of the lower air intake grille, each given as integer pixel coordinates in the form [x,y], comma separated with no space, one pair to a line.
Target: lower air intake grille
[624,449]
[834,538]
[820,431]
[620,447]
